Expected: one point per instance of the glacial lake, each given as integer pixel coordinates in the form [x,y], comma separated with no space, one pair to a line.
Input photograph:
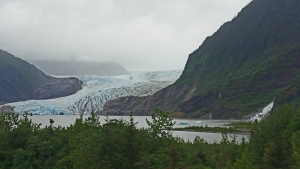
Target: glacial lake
[67,120]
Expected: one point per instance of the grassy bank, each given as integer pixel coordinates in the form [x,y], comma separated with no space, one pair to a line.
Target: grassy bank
[239,127]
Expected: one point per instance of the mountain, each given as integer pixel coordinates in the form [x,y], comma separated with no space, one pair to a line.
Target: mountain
[247,63]
[21,81]
[96,91]
[74,68]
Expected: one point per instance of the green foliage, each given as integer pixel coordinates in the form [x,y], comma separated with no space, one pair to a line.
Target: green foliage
[295,140]
[250,60]
[208,129]
[161,123]
[237,127]
[274,143]
[244,162]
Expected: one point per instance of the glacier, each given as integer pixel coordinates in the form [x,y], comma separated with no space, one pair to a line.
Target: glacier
[97,90]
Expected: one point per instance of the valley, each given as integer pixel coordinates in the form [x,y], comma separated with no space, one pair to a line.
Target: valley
[234,105]
[97,90]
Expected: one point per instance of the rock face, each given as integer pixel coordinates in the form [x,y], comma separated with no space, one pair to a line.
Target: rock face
[21,81]
[247,63]
[97,90]
[57,87]
[164,98]
[6,109]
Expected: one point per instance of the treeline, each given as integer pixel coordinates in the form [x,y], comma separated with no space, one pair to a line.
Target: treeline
[274,143]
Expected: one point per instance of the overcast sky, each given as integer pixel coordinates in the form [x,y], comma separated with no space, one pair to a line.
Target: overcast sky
[138,34]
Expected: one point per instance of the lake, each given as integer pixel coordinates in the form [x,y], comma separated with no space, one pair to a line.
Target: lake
[65,121]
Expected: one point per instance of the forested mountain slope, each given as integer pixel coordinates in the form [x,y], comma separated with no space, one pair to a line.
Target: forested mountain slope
[20,81]
[247,63]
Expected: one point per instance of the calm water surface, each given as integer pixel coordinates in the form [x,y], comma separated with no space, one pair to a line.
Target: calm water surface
[65,121]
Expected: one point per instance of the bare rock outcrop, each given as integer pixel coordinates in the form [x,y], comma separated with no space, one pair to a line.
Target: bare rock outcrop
[21,81]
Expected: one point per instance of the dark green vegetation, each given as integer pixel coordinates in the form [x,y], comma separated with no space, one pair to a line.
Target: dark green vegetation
[241,125]
[20,81]
[207,129]
[274,143]
[247,63]
[238,127]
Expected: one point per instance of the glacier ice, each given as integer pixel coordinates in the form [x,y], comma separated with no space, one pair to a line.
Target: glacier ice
[97,90]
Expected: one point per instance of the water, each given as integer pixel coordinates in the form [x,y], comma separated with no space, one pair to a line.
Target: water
[65,121]
[97,90]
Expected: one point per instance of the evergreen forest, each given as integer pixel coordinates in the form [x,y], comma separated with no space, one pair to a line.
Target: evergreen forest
[273,143]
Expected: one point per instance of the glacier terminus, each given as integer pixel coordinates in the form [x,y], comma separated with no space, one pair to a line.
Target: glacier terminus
[97,90]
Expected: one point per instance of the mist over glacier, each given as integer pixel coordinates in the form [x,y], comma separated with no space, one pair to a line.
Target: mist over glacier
[97,90]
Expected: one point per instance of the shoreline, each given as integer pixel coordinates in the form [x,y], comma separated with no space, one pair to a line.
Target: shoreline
[190,130]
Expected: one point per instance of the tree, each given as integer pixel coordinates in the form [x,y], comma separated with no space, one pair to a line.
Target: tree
[161,123]
[295,140]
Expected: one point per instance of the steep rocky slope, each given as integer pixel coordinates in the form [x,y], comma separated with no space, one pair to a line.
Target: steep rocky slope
[97,90]
[247,63]
[20,81]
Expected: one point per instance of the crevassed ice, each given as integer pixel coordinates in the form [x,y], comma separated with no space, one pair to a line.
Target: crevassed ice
[97,90]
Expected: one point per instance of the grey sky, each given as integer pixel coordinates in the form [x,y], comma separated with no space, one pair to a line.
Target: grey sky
[138,34]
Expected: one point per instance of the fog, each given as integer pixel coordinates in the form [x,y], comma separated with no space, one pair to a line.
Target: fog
[139,35]
[74,68]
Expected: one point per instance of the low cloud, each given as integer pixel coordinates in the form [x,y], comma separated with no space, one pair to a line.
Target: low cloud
[140,35]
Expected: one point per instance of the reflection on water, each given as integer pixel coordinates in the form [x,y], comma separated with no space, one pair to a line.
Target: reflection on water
[65,121]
